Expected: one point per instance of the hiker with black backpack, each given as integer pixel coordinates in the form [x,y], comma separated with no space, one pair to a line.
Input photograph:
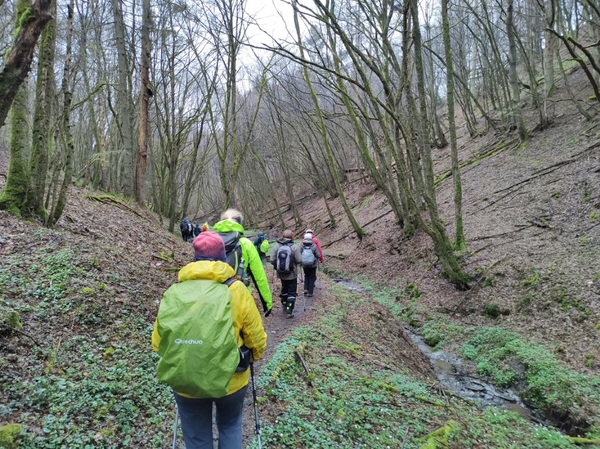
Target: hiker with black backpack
[187,230]
[310,260]
[207,332]
[243,256]
[285,258]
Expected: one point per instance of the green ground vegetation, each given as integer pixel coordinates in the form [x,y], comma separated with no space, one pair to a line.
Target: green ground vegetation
[91,381]
[334,385]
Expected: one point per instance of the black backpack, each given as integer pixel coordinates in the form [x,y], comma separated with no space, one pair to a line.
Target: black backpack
[233,250]
[284,260]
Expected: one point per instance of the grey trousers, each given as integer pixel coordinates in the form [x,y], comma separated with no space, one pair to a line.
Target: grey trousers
[196,420]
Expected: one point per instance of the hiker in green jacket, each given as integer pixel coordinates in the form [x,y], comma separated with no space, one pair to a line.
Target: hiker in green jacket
[231,223]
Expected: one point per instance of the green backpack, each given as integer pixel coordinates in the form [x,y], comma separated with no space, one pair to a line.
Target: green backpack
[198,347]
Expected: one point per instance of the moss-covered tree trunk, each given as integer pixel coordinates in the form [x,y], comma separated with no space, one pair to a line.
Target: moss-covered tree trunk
[436,229]
[42,116]
[360,233]
[68,144]
[459,241]
[31,20]
[14,193]
[29,24]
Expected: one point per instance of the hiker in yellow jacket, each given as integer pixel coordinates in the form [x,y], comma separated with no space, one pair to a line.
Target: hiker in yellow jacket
[207,275]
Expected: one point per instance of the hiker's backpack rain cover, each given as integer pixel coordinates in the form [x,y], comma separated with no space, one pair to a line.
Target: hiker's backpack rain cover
[198,348]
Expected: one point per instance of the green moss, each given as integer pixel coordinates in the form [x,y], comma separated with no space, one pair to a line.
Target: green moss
[13,320]
[439,438]
[535,276]
[549,385]
[432,337]
[10,319]
[26,15]
[8,435]
[492,311]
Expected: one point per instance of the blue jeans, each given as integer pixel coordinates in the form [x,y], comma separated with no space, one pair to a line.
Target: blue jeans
[196,420]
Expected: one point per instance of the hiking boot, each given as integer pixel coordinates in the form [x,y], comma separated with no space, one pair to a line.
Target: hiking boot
[310,295]
[288,313]
[305,292]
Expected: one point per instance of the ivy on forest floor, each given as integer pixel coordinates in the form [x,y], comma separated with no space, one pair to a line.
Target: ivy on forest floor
[91,381]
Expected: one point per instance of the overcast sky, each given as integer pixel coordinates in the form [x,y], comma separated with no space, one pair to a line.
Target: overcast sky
[272,16]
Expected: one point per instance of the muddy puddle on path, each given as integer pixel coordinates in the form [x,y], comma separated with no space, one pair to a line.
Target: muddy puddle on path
[455,374]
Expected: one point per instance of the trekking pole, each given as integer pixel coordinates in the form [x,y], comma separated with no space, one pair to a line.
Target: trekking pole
[175,426]
[255,404]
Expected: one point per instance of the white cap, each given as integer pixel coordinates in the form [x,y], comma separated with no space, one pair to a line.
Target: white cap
[308,236]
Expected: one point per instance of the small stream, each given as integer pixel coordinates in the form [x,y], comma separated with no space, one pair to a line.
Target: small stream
[455,375]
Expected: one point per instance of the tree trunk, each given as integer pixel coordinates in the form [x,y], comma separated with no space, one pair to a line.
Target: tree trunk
[512,73]
[42,116]
[124,116]
[68,144]
[442,246]
[360,233]
[14,193]
[142,155]
[459,242]
[31,20]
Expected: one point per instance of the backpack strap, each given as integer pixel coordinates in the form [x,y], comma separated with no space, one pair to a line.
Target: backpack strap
[229,282]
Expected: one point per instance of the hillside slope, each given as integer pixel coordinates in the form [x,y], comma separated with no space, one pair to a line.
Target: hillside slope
[532,222]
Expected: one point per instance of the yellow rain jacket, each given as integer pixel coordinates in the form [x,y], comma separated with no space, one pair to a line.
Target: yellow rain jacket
[247,321]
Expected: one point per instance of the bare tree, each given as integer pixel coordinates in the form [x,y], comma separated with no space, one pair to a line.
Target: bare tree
[56,210]
[124,115]
[459,241]
[360,233]
[145,94]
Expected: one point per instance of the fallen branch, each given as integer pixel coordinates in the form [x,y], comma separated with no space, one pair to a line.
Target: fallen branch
[299,356]
[578,440]
[111,200]
[538,224]
[12,329]
[481,155]
[352,232]
[485,237]
[543,172]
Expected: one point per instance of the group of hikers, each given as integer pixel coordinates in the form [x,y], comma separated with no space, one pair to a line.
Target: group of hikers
[189,230]
[209,331]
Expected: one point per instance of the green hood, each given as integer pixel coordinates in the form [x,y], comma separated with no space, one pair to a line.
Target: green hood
[228,226]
